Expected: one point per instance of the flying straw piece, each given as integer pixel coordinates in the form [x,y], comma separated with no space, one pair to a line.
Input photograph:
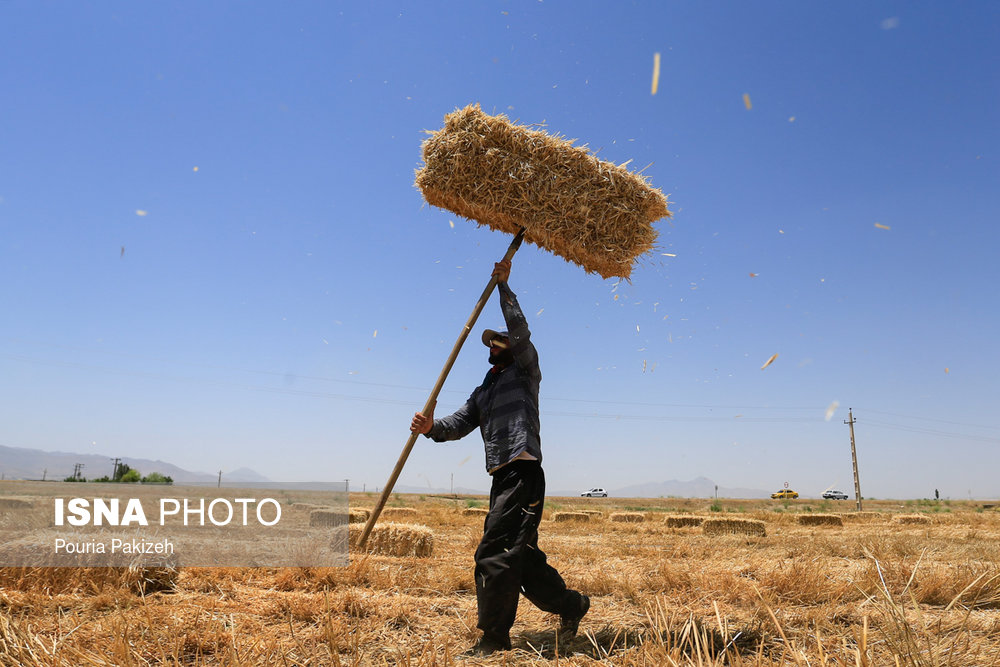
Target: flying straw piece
[656,72]
[746,101]
[831,409]
[375,335]
[769,361]
[140,212]
[879,225]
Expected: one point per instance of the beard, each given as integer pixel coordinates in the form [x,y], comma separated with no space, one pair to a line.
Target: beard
[502,358]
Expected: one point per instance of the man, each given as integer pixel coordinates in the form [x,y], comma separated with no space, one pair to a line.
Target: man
[505,408]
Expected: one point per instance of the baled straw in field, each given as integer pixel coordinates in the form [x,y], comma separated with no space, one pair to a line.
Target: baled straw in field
[358,515]
[399,513]
[683,521]
[591,212]
[395,539]
[326,518]
[862,516]
[475,511]
[820,520]
[628,517]
[594,514]
[912,519]
[751,527]
[570,516]
[8,503]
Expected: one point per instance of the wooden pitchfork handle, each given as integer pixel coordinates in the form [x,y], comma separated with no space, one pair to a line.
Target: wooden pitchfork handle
[432,400]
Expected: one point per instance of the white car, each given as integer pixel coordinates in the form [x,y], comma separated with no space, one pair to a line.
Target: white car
[595,493]
[834,494]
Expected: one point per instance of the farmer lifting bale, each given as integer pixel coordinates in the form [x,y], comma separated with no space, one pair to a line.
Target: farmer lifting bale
[590,212]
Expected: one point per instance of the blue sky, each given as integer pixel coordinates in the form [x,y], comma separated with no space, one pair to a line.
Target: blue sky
[212,252]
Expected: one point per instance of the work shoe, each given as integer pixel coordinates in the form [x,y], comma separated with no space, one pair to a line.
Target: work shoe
[569,624]
[489,644]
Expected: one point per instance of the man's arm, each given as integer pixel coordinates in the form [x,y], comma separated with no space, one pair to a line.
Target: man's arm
[525,355]
[456,425]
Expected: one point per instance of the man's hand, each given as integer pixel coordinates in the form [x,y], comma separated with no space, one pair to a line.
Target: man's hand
[502,270]
[421,423]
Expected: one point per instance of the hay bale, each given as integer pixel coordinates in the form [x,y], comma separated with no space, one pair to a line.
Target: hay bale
[570,516]
[591,212]
[683,521]
[404,513]
[13,503]
[912,519]
[475,511]
[751,527]
[358,515]
[308,506]
[862,516]
[326,518]
[820,520]
[594,514]
[395,539]
[628,517]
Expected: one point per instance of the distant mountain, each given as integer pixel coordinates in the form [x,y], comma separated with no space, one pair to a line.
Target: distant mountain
[701,487]
[23,463]
[244,475]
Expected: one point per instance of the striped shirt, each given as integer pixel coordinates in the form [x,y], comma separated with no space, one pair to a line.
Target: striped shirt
[505,405]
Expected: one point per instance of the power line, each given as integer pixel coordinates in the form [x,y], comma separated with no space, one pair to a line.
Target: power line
[582,415]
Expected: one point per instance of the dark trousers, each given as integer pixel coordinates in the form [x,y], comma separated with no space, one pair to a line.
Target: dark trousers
[508,560]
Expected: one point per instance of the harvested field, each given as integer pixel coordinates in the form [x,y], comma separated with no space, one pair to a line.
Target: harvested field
[404,513]
[820,520]
[628,517]
[659,597]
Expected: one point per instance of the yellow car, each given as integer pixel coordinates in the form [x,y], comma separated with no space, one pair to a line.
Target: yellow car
[783,494]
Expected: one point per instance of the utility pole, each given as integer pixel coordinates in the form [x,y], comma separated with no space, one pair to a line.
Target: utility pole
[114,475]
[77,467]
[219,485]
[44,473]
[854,457]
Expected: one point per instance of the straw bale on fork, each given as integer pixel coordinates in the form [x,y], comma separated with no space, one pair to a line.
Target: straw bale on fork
[588,211]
